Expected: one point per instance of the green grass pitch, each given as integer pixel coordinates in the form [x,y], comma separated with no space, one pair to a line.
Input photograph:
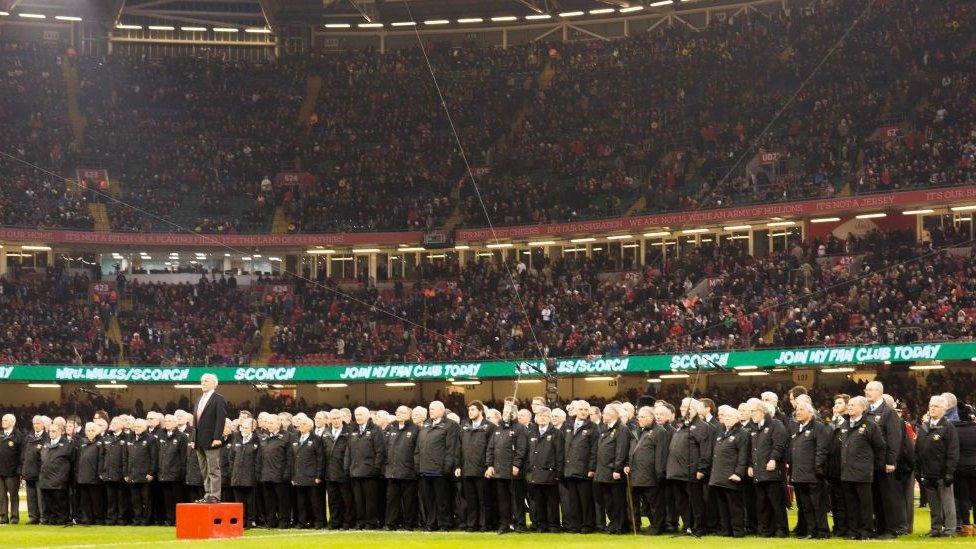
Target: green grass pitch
[15,536]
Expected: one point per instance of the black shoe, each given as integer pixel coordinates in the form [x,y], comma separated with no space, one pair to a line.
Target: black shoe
[886,535]
[504,531]
[14,520]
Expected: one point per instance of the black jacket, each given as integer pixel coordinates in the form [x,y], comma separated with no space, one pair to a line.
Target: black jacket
[474,448]
[194,477]
[307,460]
[730,456]
[225,461]
[508,448]
[56,460]
[769,442]
[141,458]
[438,448]
[366,452]
[275,458]
[31,461]
[862,450]
[172,457]
[245,462]
[937,449]
[335,455]
[11,451]
[545,458]
[88,461]
[838,432]
[892,431]
[113,457]
[690,451]
[210,425]
[401,444]
[648,458]
[612,449]
[808,452]
[580,449]
[966,432]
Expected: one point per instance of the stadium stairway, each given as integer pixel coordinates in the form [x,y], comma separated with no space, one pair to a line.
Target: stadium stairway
[70,74]
[312,88]
[100,214]
[264,353]
[637,207]
[114,333]
[280,223]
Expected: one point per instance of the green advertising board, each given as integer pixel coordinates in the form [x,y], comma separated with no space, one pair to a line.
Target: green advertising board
[565,367]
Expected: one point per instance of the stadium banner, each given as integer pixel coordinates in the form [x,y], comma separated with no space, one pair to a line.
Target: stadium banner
[565,367]
[881,201]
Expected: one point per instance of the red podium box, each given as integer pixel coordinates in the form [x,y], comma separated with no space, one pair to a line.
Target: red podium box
[209,520]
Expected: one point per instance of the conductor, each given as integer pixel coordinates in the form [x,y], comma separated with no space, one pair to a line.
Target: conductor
[211,413]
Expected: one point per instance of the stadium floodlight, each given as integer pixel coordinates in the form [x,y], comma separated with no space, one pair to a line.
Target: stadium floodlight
[35,248]
[918,212]
[542,243]
[781,224]
[962,208]
[46,385]
[483,254]
[503,18]
[620,237]
[528,381]
[574,249]
[413,249]
[337,25]
[110,386]
[871,215]
[403,24]
[745,367]
[602,11]
[738,227]
[632,9]
[258,30]
[660,3]
[841,370]
[186,386]
[657,234]
[695,231]
[246,258]
[570,14]
[32,15]
[193,29]
[599,378]
[578,240]
[365,250]
[462,247]
[67,18]
[631,246]
[499,245]
[537,17]
[926,367]
[432,22]
[824,219]
[161,28]
[674,376]
[654,380]
[470,20]
[4,13]
[752,374]
[331,385]
[401,384]
[128,27]
[463,383]
[370,25]
[273,258]
[319,251]
[225,29]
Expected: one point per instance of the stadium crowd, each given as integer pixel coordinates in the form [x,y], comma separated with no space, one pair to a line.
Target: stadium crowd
[193,140]
[691,467]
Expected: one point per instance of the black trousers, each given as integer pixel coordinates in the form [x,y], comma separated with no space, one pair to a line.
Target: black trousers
[670,505]
[113,503]
[341,507]
[170,492]
[771,508]
[696,499]
[651,500]
[55,506]
[277,504]
[509,496]
[860,509]
[322,494]
[91,503]
[365,492]
[731,514]
[245,495]
[838,507]
[578,514]
[141,495]
[34,502]
[10,498]
[809,498]
[965,491]
[401,503]
[613,497]
[544,499]
[308,509]
[438,499]
[749,500]
[889,504]
[681,490]
[476,502]
[712,522]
